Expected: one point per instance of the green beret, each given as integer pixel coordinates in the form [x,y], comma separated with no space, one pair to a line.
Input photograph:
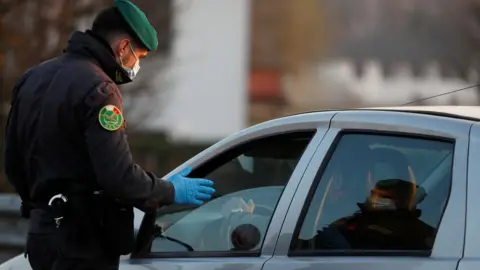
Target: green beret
[139,23]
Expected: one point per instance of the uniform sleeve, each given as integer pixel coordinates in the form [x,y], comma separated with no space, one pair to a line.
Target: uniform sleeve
[109,152]
[13,162]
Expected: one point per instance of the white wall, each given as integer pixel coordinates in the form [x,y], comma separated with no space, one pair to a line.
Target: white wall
[208,96]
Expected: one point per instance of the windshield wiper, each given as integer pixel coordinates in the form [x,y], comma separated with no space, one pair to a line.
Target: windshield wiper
[158,233]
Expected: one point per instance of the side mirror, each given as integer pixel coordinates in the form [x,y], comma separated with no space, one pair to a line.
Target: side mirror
[245,237]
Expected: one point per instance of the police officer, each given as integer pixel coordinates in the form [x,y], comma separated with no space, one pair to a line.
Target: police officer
[66,152]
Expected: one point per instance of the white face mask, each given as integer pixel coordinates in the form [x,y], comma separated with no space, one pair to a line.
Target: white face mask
[381,204]
[132,72]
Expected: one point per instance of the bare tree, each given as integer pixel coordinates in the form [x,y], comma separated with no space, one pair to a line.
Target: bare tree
[305,35]
[305,41]
[467,19]
[32,31]
[45,26]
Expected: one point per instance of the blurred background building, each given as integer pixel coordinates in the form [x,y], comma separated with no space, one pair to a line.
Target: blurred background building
[225,65]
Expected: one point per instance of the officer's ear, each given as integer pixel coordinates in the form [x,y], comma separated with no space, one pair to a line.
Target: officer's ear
[120,48]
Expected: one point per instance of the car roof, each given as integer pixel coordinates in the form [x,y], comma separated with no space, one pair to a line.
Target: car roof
[460,112]
[465,112]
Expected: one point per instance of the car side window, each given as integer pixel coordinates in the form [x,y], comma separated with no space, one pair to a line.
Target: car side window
[377,193]
[249,180]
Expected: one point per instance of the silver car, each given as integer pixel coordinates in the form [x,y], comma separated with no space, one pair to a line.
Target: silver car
[379,188]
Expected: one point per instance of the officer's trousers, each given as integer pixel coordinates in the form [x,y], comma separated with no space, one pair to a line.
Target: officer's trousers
[42,255]
[44,251]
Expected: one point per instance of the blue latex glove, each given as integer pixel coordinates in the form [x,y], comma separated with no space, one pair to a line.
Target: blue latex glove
[191,190]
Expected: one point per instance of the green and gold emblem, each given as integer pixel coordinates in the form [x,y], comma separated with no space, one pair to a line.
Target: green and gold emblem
[118,77]
[110,118]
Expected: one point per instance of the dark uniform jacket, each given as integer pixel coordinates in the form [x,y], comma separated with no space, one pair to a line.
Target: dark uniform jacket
[54,138]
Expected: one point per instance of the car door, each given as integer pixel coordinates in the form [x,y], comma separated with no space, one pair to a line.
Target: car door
[385,190]
[471,256]
[256,173]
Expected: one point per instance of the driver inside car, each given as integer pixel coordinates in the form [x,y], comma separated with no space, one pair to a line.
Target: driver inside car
[387,220]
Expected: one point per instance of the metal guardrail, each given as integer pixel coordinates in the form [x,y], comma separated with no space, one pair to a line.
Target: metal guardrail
[13,228]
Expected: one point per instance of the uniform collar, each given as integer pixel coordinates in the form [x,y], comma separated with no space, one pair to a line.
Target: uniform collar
[90,45]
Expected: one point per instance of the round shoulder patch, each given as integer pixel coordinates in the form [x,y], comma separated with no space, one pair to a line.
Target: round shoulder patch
[110,118]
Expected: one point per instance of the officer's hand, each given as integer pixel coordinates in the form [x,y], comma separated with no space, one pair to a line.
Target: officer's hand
[191,190]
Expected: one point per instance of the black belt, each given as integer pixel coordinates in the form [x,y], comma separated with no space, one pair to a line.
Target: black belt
[58,204]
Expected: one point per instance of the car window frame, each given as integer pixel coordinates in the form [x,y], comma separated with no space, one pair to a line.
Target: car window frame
[447,245]
[318,125]
[472,234]
[318,178]
[216,162]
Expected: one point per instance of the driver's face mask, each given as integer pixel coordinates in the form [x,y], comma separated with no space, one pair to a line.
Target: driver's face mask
[377,202]
[381,204]
[132,72]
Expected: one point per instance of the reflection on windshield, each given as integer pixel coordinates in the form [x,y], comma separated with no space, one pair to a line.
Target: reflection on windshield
[158,233]
[206,228]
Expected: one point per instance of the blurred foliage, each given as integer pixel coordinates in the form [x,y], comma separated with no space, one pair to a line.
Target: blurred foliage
[32,31]
[287,35]
[465,16]
[305,38]
[288,38]
[46,26]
